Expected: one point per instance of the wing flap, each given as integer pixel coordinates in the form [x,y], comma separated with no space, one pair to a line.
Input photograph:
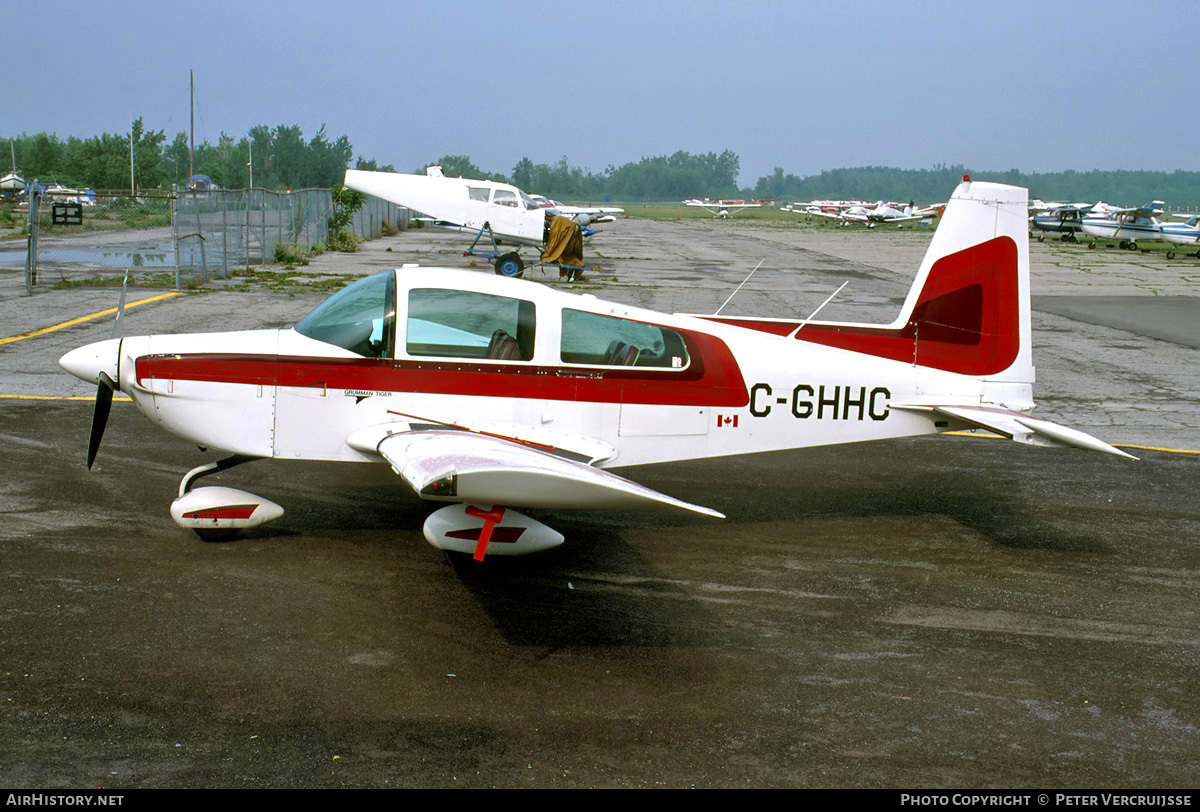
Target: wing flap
[1021,427]
[482,469]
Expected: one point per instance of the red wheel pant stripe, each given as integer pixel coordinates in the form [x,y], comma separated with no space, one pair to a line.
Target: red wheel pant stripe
[224,512]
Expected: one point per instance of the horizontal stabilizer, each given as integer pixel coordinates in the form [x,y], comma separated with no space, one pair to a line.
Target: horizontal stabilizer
[462,466]
[1021,427]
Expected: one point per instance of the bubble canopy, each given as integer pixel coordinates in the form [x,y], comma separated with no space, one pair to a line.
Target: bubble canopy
[360,318]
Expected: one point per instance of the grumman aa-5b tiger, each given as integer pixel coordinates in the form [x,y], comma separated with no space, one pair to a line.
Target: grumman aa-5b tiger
[494,393]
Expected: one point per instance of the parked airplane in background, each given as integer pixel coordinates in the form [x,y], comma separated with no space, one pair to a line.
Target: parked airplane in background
[491,393]
[827,206]
[880,213]
[1126,225]
[585,216]
[1185,233]
[471,206]
[722,208]
[1065,219]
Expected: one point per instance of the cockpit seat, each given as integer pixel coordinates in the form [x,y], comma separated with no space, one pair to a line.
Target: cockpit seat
[503,347]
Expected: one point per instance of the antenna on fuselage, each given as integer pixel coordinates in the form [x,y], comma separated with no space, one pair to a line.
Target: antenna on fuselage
[739,287]
[812,315]
[118,329]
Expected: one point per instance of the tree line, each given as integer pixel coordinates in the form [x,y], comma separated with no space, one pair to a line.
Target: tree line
[682,175]
[664,177]
[1121,187]
[281,157]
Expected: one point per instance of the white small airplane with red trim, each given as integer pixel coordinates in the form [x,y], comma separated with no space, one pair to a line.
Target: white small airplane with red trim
[722,208]
[494,393]
[880,213]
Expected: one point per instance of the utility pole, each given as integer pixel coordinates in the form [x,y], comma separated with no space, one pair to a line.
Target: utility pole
[132,184]
[191,122]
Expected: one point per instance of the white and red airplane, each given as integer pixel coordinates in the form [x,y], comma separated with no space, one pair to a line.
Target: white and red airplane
[880,213]
[496,393]
[722,208]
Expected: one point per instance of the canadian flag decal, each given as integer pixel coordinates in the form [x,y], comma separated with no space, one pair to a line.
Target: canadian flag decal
[727,420]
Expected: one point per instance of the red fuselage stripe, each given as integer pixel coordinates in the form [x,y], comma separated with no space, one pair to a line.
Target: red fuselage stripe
[711,379]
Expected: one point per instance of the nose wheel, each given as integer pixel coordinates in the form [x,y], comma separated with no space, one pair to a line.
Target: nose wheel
[217,513]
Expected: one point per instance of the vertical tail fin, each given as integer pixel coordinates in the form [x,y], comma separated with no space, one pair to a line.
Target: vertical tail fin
[968,309]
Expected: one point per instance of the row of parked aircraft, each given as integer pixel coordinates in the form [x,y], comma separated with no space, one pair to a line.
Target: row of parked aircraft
[860,212]
[1126,225]
[492,393]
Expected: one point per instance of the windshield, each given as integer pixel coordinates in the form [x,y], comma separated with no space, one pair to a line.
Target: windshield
[530,203]
[360,318]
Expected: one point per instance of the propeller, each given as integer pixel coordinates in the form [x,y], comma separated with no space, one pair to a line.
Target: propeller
[105,386]
[104,396]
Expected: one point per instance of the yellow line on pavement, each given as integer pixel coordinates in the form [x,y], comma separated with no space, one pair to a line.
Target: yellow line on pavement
[1156,448]
[82,319]
[991,436]
[88,398]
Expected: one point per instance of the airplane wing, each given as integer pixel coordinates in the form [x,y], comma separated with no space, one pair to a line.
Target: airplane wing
[828,215]
[908,218]
[1020,427]
[717,206]
[484,469]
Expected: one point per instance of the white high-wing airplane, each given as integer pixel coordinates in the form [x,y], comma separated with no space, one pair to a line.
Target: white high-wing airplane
[722,208]
[466,205]
[496,393]
[1126,225]
[819,207]
[583,215]
[1185,233]
[1065,219]
[879,214]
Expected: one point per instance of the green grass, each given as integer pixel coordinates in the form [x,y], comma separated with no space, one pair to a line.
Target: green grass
[161,279]
[288,281]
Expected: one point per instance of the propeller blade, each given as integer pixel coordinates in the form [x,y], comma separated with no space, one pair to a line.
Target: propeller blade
[104,396]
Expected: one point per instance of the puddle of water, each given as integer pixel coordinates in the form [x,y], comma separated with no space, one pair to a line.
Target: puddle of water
[156,256]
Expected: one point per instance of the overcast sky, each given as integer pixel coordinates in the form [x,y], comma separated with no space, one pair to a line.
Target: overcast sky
[1036,86]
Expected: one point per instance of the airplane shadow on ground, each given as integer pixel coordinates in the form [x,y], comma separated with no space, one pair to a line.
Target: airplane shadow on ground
[1010,497]
[600,589]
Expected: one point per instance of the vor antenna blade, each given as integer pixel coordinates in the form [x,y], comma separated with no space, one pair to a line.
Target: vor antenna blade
[118,330]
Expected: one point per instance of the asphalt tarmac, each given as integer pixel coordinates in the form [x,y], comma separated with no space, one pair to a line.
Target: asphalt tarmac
[939,612]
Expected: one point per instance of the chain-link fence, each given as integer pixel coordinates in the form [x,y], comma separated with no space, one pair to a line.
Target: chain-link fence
[187,237]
